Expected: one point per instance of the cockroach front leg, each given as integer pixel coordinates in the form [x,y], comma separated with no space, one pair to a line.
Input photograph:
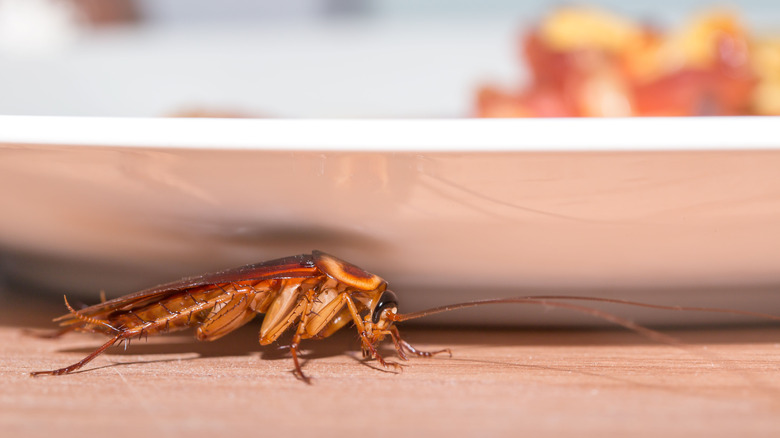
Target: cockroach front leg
[369,350]
[402,346]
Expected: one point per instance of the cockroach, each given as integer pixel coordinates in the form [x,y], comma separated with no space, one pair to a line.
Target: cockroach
[315,294]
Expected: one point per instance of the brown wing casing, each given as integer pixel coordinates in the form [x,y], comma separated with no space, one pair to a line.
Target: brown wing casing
[299,266]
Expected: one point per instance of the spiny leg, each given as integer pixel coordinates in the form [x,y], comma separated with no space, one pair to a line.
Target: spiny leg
[375,355]
[82,362]
[296,340]
[396,337]
[401,345]
[368,345]
[298,370]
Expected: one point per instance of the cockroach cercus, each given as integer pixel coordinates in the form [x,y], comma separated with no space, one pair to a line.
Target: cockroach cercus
[313,294]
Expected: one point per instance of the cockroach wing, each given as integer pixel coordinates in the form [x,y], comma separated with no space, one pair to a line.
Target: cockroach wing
[299,266]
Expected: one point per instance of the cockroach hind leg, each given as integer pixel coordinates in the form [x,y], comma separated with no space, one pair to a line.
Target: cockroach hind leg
[82,362]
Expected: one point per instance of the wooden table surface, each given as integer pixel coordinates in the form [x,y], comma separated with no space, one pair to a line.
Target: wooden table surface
[498,383]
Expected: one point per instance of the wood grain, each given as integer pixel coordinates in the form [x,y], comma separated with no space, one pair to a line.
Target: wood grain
[498,383]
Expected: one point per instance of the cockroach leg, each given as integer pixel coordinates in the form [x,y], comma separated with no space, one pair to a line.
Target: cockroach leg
[401,345]
[298,370]
[396,337]
[296,340]
[408,347]
[369,350]
[374,354]
[82,362]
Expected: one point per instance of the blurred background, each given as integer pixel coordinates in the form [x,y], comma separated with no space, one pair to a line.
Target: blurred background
[122,218]
[305,58]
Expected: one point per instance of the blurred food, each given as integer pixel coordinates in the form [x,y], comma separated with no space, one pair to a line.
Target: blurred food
[102,12]
[41,27]
[585,62]
[766,63]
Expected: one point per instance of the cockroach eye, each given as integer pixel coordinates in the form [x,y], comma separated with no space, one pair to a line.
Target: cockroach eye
[386,301]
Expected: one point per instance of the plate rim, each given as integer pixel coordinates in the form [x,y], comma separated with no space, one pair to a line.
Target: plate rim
[398,135]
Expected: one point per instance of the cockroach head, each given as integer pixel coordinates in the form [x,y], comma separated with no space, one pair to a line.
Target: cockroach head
[385,310]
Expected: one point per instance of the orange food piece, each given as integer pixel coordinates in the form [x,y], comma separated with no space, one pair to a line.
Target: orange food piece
[588,63]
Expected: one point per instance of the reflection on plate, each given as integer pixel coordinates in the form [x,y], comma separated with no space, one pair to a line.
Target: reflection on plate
[673,211]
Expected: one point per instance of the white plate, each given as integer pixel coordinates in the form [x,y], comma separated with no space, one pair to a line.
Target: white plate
[675,211]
